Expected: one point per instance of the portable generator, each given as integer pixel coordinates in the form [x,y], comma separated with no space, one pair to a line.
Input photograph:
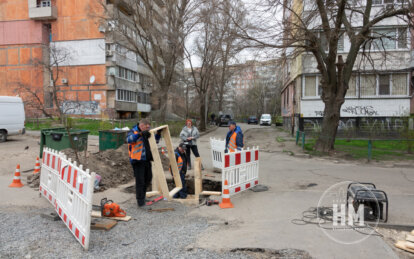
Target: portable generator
[375,201]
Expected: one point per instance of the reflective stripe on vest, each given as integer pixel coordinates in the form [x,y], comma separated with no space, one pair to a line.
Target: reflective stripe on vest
[135,149]
[232,143]
[179,163]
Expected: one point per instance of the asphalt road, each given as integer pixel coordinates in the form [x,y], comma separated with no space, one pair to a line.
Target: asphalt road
[265,219]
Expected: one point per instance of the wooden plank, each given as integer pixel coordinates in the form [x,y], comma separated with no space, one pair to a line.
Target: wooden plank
[152,193]
[174,191]
[173,162]
[161,210]
[157,170]
[97,214]
[188,201]
[198,179]
[103,224]
[158,128]
[402,245]
[210,193]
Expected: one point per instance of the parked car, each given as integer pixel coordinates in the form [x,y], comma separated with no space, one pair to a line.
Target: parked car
[253,120]
[266,119]
[223,120]
[11,117]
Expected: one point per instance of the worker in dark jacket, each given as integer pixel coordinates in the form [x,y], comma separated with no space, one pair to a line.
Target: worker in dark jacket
[181,159]
[140,157]
[234,138]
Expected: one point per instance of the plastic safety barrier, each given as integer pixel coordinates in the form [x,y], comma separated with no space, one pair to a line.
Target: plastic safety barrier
[217,150]
[241,170]
[69,188]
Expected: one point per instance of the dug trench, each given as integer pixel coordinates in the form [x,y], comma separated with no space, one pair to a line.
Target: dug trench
[115,169]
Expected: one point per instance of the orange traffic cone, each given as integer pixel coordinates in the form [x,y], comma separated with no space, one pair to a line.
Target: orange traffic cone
[16,179]
[225,201]
[163,150]
[37,166]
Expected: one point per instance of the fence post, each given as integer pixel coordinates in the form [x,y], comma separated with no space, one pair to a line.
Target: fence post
[369,150]
[297,137]
[303,140]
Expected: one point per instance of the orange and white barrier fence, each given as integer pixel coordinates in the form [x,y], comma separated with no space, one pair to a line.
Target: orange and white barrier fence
[240,168]
[217,151]
[69,188]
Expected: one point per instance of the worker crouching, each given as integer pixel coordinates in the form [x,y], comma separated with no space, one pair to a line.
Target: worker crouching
[181,159]
[140,157]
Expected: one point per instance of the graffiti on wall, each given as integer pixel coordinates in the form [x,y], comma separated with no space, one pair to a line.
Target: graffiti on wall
[81,108]
[360,126]
[360,110]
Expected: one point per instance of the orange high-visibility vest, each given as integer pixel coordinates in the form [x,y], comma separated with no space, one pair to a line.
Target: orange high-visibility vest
[180,163]
[232,143]
[135,149]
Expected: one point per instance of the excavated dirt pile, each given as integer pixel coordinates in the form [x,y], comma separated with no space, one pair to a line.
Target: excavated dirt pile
[112,165]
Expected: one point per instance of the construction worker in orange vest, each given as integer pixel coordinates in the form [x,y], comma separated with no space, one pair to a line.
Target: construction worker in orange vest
[234,138]
[181,159]
[140,157]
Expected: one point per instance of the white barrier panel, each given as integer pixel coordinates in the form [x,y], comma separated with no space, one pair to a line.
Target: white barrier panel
[241,170]
[217,151]
[69,189]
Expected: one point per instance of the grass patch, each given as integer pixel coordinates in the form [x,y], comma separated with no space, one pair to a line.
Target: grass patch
[94,126]
[280,139]
[358,149]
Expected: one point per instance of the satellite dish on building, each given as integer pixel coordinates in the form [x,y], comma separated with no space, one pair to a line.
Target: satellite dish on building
[92,79]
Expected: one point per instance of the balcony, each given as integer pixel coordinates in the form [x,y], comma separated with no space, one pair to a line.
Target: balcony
[42,10]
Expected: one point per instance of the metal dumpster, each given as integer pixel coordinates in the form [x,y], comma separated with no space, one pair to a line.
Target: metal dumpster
[111,139]
[58,139]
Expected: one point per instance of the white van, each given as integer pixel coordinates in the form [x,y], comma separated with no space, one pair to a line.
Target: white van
[266,119]
[11,117]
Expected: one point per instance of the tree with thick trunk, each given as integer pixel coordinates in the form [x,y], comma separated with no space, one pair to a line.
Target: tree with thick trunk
[316,27]
[156,32]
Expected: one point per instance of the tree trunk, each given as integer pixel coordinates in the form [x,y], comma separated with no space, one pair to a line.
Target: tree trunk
[163,105]
[326,140]
[202,112]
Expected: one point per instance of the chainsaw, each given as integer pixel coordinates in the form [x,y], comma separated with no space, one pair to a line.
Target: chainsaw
[111,209]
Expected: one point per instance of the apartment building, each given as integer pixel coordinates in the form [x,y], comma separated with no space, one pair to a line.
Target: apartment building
[380,96]
[100,77]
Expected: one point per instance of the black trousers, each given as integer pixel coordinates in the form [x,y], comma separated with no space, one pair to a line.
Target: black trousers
[188,153]
[143,177]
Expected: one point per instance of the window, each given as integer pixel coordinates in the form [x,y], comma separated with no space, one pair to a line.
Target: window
[310,86]
[384,84]
[387,84]
[324,41]
[399,84]
[402,38]
[127,74]
[43,3]
[126,96]
[392,38]
[368,85]
[352,86]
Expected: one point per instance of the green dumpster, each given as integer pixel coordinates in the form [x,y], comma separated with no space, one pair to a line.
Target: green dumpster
[111,139]
[58,139]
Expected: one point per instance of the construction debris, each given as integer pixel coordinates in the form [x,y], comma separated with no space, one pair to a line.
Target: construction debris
[103,224]
[98,214]
[33,180]
[160,210]
[407,244]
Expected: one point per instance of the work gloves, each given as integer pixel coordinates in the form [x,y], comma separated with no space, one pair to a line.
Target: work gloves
[146,134]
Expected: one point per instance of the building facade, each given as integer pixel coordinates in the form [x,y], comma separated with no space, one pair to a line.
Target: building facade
[99,76]
[380,96]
